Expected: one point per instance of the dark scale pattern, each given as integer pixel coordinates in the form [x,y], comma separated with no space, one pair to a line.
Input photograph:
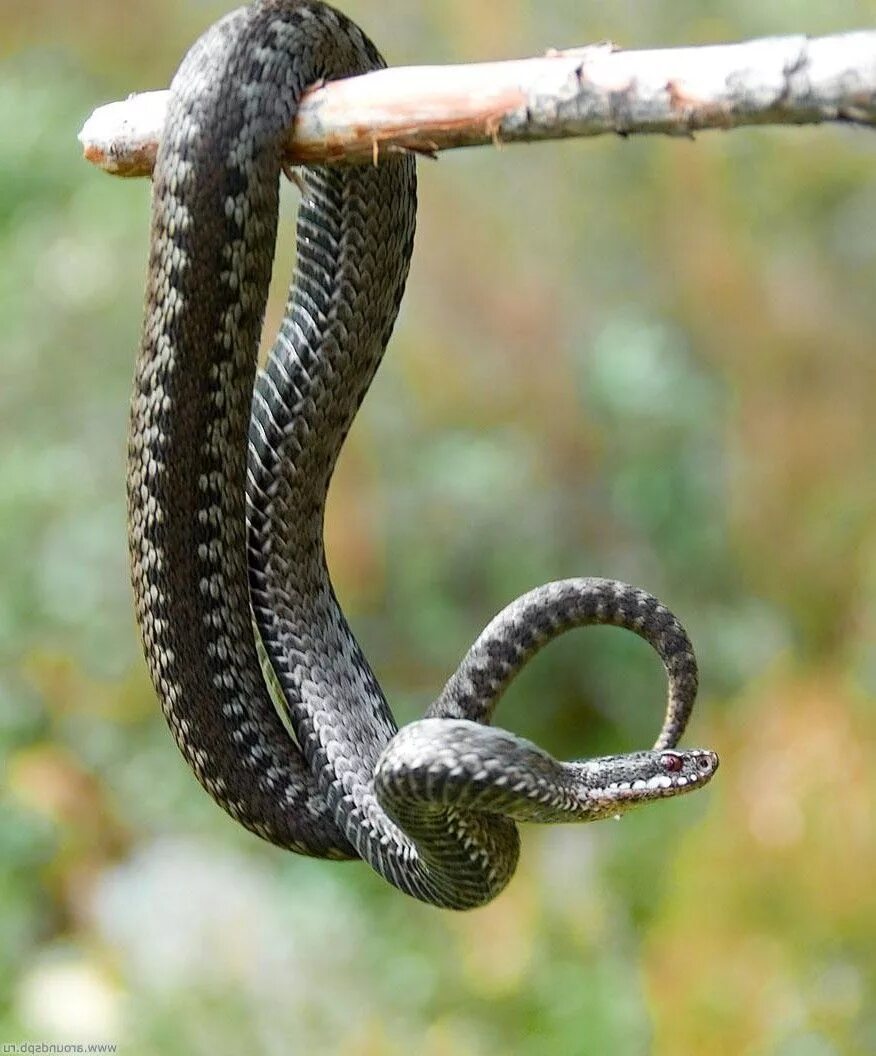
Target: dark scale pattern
[432,807]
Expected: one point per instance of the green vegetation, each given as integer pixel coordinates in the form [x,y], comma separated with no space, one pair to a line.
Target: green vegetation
[647,359]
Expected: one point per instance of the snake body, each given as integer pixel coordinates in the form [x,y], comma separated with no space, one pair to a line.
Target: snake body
[227,480]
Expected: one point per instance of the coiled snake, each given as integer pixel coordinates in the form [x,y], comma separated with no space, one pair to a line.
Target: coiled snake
[227,481]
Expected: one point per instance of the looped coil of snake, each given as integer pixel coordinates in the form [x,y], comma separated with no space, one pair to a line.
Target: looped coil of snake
[228,471]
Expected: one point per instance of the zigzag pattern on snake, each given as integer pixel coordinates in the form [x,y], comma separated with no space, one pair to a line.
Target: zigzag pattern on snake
[227,480]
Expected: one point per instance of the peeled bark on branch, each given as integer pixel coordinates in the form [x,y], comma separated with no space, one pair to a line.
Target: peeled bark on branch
[586,91]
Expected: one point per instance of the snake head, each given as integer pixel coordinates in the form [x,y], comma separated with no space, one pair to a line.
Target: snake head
[612,784]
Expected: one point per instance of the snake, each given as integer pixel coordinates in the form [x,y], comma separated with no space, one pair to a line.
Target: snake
[228,472]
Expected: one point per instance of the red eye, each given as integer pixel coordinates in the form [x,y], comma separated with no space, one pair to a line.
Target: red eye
[672,763]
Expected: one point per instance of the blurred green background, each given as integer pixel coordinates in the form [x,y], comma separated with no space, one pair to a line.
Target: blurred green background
[648,359]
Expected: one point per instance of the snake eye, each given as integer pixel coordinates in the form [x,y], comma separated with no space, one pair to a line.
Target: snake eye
[672,763]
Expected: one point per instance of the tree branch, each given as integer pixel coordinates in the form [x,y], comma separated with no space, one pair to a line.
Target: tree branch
[580,92]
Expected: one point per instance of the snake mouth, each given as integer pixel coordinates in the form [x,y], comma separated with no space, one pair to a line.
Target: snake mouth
[680,772]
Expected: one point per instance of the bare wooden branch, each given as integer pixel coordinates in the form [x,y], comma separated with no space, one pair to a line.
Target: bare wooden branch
[580,92]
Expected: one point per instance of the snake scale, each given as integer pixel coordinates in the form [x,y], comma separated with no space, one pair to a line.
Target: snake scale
[228,472]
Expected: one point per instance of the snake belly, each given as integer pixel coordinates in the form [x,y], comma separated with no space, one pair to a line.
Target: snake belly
[228,474]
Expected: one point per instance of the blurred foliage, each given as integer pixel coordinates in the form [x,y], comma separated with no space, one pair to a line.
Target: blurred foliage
[646,359]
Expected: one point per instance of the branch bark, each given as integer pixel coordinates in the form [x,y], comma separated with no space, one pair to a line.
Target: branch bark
[585,91]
